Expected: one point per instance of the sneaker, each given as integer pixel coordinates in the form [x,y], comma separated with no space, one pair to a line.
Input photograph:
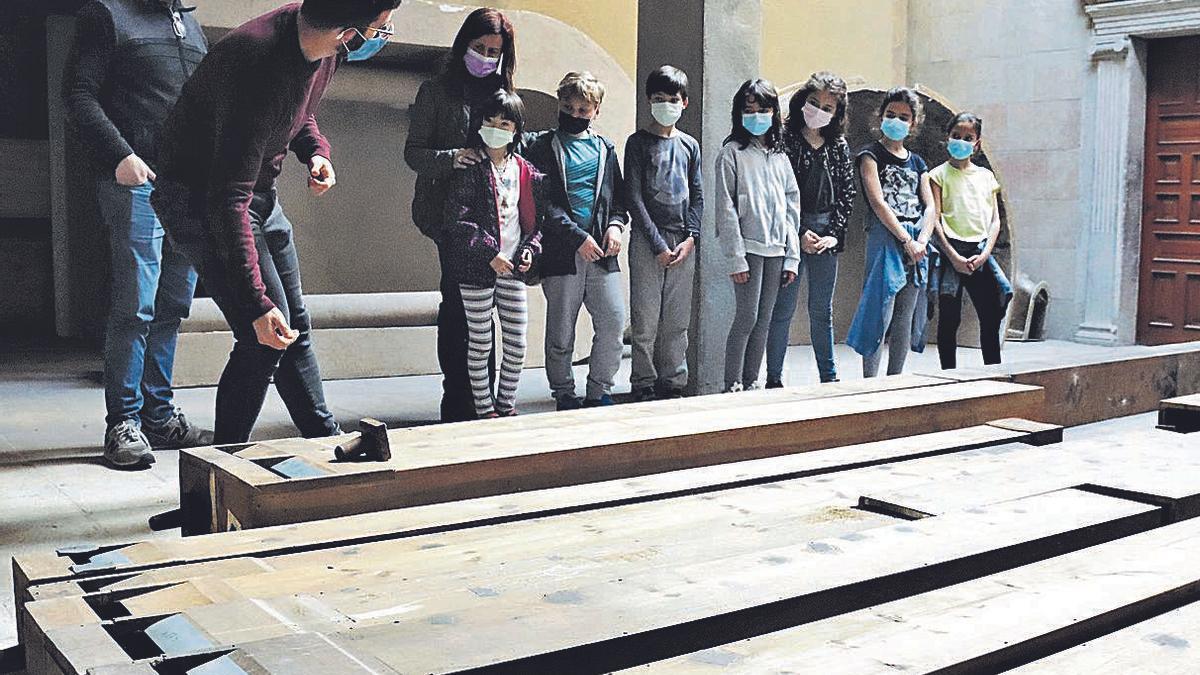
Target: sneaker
[643,394]
[774,384]
[671,392]
[601,402]
[569,403]
[734,388]
[177,432]
[753,386]
[490,415]
[507,413]
[125,445]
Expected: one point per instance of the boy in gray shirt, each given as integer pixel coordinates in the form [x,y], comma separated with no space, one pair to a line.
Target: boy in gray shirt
[662,166]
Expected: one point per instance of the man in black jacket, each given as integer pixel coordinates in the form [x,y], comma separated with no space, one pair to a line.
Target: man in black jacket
[127,68]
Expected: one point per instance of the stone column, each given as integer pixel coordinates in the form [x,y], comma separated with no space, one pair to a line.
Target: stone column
[716,43]
[1103,234]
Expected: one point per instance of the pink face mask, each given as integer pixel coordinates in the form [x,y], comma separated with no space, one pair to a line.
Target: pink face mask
[815,118]
[479,65]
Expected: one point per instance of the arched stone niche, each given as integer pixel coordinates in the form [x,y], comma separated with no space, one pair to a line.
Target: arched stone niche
[930,142]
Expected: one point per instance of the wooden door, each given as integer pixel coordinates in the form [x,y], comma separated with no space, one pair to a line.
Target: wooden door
[1169,296]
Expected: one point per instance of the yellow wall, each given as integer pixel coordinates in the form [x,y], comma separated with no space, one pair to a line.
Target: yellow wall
[611,23]
[862,40]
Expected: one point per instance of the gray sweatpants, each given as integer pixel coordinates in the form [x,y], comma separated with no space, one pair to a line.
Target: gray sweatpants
[661,309]
[898,315]
[600,291]
[755,300]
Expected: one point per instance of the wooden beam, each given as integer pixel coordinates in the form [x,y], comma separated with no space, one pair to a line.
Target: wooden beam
[611,611]
[998,621]
[436,464]
[50,575]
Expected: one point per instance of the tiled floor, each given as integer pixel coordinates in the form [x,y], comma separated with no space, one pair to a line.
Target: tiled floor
[55,490]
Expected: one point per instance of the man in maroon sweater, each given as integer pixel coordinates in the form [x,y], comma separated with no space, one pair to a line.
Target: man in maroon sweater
[253,98]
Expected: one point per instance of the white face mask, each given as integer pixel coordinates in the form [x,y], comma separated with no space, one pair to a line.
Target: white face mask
[815,118]
[496,138]
[666,114]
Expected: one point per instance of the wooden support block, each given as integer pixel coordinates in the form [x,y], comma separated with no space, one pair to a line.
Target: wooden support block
[610,611]
[160,561]
[1125,381]
[1180,414]
[995,622]
[436,465]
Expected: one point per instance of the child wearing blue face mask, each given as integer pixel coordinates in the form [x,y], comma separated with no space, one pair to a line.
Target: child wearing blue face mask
[757,225]
[895,181]
[965,194]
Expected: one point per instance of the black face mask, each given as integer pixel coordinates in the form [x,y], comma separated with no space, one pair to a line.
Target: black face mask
[570,124]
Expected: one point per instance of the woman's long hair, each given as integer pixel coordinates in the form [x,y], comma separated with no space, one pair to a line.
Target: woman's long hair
[481,22]
[764,93]
[822,81]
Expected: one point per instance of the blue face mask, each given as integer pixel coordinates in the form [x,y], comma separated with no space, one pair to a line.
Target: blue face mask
[960,149]
[757,123]
[370,46]
[895,128]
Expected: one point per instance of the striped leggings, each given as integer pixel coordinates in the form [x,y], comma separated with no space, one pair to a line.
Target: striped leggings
[508,296]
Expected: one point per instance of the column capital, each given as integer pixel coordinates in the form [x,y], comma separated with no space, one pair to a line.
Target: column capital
[1110,47]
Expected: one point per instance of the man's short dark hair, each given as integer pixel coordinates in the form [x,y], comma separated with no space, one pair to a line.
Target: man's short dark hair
[328,14]
[667,80]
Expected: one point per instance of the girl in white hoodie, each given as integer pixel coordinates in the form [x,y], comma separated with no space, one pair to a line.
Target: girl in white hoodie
[758,225]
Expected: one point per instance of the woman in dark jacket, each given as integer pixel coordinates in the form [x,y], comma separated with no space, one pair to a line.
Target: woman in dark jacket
[482,61]
[491,237]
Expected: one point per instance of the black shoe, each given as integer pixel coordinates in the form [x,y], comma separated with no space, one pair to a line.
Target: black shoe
[670,393]
[774,384]
[125,446]
[601,402]
[643,394]
[569,403]
[177,432]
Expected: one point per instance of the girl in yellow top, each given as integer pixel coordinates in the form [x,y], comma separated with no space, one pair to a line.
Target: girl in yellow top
[965,194]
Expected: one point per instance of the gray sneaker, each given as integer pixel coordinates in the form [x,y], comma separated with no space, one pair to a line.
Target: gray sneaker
[177,432]
[125,445]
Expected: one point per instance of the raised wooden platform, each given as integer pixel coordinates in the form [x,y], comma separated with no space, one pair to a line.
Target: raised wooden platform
[239,488]
[1087,389]
[704,569]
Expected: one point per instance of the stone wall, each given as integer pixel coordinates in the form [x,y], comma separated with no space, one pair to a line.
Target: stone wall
[1023,66]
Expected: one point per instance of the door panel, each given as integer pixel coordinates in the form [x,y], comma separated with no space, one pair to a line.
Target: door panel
[1169,293]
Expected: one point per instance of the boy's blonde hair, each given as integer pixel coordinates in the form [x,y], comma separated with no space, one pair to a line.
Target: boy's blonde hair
[581,84]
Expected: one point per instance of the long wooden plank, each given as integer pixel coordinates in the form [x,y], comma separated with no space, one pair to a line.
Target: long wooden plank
[1180,414]
[797,508]
[198,486]
[49,575]
[1154,466]
[166,560]
[1168,644]
[624,445]
[988,624]
[1090,388]
[604,618]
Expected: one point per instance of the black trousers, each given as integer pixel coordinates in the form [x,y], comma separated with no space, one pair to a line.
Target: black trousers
[458,400]
[985,295]
[251,367]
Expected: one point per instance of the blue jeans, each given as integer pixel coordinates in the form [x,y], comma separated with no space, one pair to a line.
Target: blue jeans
[243,386]
[152,287]
[822,279]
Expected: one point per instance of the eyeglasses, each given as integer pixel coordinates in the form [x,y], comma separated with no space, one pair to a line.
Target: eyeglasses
[386,32]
